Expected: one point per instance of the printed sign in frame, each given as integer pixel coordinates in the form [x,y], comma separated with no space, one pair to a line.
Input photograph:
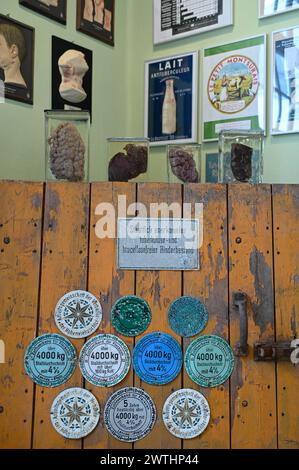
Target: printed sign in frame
[171,99]
[285,81]
[234,87]
[273,7]
[177,19]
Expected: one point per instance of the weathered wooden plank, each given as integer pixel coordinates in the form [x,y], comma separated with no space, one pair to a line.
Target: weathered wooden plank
[64,268]
[253,387]
[20,246]
[108,285]
[286,259]
[210,284]
[159,288]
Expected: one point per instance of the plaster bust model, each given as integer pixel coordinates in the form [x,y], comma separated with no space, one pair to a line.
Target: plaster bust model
[12,53]
[88,10]
[73,67]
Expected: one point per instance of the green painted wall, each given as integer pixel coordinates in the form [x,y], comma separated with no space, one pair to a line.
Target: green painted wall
[22,126]
[281,152]
[118,88]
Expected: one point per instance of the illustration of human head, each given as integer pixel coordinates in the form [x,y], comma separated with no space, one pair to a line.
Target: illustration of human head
[73,67]
[12,53]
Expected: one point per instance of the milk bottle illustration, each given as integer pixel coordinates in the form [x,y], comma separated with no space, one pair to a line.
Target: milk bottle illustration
[169,109]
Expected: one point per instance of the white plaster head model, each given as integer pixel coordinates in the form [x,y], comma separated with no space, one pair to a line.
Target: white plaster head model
[12,53]
[73,67]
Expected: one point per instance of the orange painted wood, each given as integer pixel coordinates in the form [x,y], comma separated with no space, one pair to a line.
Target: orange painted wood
[210,284]
[286,253]
[253,391]
[64,268]
[20,243]
[108,285]
[159,288]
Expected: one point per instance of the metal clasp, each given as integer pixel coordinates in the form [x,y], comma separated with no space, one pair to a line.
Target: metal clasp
[240,302]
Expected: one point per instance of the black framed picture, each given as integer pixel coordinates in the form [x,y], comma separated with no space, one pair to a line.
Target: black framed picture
[71,76]
[17,59]
[54,9]
[96,18]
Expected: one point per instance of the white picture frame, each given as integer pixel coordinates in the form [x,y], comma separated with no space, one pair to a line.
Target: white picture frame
[176,69]
[285,81]
[252,115]
[268,8]
[221,14]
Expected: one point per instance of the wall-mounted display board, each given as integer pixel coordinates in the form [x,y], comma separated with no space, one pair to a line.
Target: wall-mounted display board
[71,76]
[54,9]
[234,87]
[176,19]
[96,18]
[275,7]
[285,81]
[171,99]
[17,59]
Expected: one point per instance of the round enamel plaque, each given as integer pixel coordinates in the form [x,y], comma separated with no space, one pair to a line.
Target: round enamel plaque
[130,414]
[75,413]
[209,361]
[131,315]
[105,360]
[157,358]
[78,314]
[186,413]
[50,360]
[187,316]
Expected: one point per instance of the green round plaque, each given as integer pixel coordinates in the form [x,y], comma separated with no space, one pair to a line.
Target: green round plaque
[209,361]
[131,315]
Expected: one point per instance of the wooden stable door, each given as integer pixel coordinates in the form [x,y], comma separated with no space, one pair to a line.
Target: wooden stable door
[48,246]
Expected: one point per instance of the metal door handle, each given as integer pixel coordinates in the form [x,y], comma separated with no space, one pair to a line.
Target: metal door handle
[240,302]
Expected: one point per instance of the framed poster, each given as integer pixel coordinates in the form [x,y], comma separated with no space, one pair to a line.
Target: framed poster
[96,18]
[285,81]
[176,19]
[234,87]
[54,9]
[16,59]
[276,7]
[71,76]
[171,99]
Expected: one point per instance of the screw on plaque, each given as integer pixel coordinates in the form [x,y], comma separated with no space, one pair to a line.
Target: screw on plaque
[240,303]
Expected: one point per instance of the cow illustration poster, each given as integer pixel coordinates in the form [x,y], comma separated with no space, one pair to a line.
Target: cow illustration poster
[234,88]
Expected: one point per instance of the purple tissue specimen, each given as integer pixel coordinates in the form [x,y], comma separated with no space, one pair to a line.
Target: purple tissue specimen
[183,166]
[241,162]
[127,166]
[67,153]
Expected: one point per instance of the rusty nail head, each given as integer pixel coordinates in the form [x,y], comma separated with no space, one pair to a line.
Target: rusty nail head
[238,240]
[6,240]
[1,409]
[245,403]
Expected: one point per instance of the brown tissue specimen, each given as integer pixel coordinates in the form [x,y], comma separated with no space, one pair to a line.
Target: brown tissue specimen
[183,166]
[127,166]
[67,152]
[241,162]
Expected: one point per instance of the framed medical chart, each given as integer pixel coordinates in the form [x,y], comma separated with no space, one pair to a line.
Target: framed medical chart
[276,7]
[285,81]
[234,87]
[176,19]
[171,99]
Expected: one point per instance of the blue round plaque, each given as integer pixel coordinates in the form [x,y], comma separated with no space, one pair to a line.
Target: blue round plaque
[187,316]
[157,358]
[50,360]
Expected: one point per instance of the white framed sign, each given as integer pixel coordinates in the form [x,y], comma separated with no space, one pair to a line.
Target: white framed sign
[176,19]
[171,99]
[276,7]
[234,87]
[285,82]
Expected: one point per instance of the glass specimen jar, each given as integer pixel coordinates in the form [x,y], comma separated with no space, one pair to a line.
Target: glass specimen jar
[241,156]
[67,145]
[184,163]
[128,159]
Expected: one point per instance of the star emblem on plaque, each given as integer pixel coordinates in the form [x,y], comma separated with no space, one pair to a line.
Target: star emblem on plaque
[78,314]
[186,413]
[75,413]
